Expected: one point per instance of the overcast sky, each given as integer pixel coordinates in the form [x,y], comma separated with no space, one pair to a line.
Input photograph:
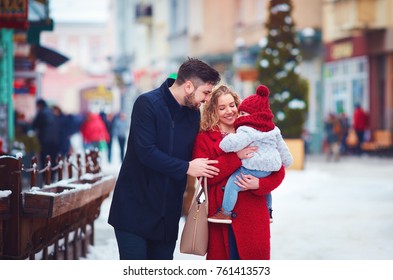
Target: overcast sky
[79,10]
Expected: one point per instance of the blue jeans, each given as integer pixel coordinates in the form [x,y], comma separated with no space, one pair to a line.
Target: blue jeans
[135,247]
[231,189]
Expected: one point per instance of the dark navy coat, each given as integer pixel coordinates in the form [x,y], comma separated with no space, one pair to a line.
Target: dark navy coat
[148,195]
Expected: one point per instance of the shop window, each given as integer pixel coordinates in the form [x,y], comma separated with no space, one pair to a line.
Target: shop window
[357,91]
[361,67]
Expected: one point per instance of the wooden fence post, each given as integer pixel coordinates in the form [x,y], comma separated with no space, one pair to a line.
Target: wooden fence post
[69,165]
[79,164]
[33,172]
[94,156]
[59,162]
[48,170]
[88,162]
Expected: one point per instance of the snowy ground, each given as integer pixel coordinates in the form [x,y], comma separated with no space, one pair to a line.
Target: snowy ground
[328,211]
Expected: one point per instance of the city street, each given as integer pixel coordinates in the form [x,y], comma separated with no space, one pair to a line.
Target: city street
[328,211]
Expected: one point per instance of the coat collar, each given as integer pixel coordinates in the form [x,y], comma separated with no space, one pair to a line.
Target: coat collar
[168,96]
[214,134]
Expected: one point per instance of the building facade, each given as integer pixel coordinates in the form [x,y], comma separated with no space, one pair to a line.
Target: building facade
[89,45]
[358,38]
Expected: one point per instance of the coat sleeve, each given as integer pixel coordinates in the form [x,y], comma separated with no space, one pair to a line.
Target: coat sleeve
[227,162]
[283,149]
[235,142]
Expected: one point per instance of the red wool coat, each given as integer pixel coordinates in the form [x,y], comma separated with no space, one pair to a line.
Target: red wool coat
[251,226]
[93,129]
[360,119]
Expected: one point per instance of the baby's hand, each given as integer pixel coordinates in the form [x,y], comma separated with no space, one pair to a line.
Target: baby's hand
[247,152]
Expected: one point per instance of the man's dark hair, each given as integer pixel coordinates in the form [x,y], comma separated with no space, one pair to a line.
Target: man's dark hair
[195,69]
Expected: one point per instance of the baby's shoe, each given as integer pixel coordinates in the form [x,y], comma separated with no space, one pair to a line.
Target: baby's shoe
[221,218]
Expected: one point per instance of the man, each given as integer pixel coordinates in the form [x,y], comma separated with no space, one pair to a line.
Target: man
[360,122]
[48,133]
[119,130]
[147,200]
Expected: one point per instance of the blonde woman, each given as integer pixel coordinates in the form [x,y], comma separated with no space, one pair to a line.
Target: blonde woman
[248,237]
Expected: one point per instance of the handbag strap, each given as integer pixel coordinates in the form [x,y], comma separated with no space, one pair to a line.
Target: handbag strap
[202,188]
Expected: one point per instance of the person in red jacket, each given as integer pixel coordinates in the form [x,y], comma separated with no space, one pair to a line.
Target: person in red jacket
[93,131]
[360,122]
[248,237]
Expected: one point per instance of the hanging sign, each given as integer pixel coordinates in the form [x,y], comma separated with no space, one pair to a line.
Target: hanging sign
[13,14]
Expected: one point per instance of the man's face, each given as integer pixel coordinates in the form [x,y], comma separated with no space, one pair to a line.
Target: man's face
[196,96]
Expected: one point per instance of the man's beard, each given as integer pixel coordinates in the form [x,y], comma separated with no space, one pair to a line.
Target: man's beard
[189,101]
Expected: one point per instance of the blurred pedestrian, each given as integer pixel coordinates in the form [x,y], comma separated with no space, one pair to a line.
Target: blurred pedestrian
[69,126]
[47,129]
[360,124]
[306,136]
[94,132]
[107,119]
[344,122]
[119,129]
[333,134]
[148,196]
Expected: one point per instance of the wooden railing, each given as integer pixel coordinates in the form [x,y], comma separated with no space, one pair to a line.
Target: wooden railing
[55,221]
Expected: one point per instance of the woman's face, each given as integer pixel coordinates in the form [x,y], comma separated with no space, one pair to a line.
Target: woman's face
[226,109]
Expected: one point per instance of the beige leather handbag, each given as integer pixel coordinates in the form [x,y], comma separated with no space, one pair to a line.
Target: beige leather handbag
[194,237]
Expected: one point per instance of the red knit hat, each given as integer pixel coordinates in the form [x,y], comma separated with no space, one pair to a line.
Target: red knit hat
[257,105]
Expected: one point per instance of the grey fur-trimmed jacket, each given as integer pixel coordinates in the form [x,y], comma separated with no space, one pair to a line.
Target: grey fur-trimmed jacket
[272,150]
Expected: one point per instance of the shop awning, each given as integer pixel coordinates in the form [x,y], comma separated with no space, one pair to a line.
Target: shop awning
[50,56]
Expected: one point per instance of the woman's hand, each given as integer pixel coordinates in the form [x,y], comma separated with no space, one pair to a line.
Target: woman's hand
[247,152]
[247,182]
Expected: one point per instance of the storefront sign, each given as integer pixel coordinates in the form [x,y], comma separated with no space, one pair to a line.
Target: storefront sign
[99,92]
[12,9]
[13,13]
[342,50]
[96,99]
[347,48]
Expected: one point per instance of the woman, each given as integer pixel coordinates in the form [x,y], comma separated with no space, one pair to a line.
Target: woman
[249,235]
[93,131]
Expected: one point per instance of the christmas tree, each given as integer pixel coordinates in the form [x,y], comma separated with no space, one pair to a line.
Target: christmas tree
[278,69]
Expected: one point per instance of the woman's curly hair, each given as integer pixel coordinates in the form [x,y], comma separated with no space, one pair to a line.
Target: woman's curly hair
[209,113]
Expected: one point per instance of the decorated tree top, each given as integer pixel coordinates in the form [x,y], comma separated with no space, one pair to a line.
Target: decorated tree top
[278,70]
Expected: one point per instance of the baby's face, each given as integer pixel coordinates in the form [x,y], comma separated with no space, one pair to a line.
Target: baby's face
[243,114]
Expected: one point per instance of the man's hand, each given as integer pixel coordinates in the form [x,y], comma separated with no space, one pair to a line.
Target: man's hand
[203,167]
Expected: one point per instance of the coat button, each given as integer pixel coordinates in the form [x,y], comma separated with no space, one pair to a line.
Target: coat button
[234,215]
[223,188]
